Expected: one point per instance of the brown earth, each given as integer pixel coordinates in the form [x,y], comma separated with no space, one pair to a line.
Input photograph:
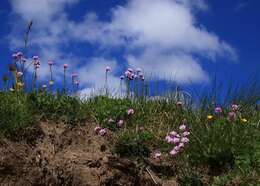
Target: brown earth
[65,156]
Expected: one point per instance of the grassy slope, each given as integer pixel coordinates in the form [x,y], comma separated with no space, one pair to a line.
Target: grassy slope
[221,151]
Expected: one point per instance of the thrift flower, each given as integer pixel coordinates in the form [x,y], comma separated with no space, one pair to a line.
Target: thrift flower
[97,129]
[179,103]
[186,133]
[173,134]
[185,140]
[183,127]
[157,155]
[232,115]
[181,145]
[108,69]
[173,152]
[111,120]
[102,132]
[218,110]
[50,62]
[130,112]
[175,140]
[234,107]
[120,123]
[65,66]
[19,74]
[35,58]
[122,77]
[19,54]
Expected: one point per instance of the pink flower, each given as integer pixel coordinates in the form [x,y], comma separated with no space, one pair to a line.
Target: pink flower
[108,69]
[186,133]
[218,110]
[97,129]
[65,66]
[35,58]
[74,75]
[234,107]
[120,123]
[179,103]
[185,140]
[231,115]
[173,152]
[181,145]
[177,148]
[130,70]
[111,120]
[19,54]
[122,77]
[102,132]
[157,155]
[15,56]
[77,83]
[50,62]
[173,134]
[130,112]
[175,140]
[169,139]
[183,127]
[19,74]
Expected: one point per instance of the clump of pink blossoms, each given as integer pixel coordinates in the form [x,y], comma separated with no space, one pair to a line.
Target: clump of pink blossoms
[100,131]
[178,139]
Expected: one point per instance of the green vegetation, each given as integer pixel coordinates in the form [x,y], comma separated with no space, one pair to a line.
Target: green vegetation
[225,149]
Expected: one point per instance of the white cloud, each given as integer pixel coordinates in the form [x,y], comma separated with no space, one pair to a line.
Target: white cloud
[161,36]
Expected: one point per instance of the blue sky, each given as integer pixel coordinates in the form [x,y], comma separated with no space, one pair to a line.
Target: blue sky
[187,41]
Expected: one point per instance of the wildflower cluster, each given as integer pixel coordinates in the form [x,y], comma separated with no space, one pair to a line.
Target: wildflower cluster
[178,139]
[100,131]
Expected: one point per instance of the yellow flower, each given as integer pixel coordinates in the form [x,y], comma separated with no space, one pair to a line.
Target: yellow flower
[210,117]
[19,85]
[244,120]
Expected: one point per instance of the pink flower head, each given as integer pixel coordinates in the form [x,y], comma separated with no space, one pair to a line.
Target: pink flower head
[181,145]
[127,73]
[102,132]
[157,155]
[19,74]
[185,140]
[173,134]
[138,70]
[108,69]
[120,123]
[15,56]
[97,129]
[130,112]
[234,107]
[111,120]
[186,133]
[173,152]
[169,139]
[35,58]
[175,140]
[177,148]
[37,66]
[74,75]
[183,127]
[50,62]
[218,110]
[122,77]
[231,115]
[19,54]
[179,103]
[65,66]
[130,70]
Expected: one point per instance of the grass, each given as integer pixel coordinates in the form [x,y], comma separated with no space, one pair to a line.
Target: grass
[225,150]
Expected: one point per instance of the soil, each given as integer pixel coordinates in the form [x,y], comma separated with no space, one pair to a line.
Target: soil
[60,155]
